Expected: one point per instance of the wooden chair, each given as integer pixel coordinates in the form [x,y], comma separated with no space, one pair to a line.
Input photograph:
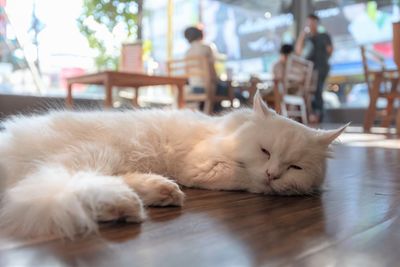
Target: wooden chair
[198,68]
[130,60]
[381,83]
[297,76]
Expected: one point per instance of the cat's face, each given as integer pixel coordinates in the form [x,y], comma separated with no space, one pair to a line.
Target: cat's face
[282,156]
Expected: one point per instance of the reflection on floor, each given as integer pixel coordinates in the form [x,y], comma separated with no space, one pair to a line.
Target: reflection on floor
[355,222]
[370,140]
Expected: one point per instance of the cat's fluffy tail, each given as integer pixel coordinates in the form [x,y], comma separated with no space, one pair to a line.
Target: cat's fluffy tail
[45,204]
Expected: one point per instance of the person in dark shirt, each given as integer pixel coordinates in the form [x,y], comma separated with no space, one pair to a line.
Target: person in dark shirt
[316,47]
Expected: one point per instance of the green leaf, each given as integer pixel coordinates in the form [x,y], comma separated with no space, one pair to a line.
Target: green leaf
[108,13]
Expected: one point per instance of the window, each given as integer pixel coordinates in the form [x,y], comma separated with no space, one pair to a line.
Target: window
[352,24]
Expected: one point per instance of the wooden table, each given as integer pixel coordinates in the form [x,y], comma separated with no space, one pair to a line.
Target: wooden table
[125,79]
[379,77]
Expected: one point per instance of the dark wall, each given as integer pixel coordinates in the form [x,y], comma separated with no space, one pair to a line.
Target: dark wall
[342,115]
[21,104]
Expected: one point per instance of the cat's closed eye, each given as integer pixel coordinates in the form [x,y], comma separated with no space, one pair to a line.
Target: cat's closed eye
[266,152]
[295,167]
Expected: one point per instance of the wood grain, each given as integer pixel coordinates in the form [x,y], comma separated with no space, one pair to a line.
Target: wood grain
[354,222]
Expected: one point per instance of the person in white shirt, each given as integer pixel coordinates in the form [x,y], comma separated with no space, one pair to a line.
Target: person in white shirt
[197,48]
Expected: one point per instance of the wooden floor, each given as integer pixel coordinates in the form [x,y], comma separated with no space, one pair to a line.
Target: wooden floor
[355,222]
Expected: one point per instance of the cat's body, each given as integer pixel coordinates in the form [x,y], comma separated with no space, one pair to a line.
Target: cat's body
[64,171]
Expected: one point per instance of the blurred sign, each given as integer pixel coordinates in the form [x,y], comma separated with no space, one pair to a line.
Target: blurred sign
[244,34]
[71,72]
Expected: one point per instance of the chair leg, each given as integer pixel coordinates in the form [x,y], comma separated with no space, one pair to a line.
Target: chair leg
[283,109]
[208,107]
[373,97]
[278,98]
[389,110]
[303,111]
[398,122]
[391,99]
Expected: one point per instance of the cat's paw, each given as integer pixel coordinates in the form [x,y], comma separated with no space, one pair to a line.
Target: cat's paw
[110,199]
[126,207]
[162,192]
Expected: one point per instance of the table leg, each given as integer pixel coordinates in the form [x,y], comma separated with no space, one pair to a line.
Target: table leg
[388,113]
[181,97]
[69,102]
[108,103]
[135,102]
[373,98]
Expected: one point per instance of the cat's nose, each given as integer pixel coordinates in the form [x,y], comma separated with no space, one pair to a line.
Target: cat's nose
[271,175]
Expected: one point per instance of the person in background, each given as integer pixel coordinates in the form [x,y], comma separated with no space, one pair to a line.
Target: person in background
[198,47]
[279,67]
[316,47]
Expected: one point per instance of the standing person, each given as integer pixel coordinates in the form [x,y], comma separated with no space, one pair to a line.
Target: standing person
[316,47]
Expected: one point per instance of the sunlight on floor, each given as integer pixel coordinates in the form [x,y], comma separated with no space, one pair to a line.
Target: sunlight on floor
[353,137]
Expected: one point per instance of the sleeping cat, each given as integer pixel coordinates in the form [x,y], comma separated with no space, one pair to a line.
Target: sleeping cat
[63,172]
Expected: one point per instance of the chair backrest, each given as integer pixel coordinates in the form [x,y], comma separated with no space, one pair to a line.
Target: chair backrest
[370,56]
[195,68]
[191,68]
[131,58]
[298,74]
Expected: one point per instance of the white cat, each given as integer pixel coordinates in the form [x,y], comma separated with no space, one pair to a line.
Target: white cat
[63,172]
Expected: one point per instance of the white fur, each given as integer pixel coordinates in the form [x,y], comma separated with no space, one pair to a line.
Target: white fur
[64,171]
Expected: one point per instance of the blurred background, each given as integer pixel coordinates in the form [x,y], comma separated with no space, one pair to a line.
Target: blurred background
[43,42]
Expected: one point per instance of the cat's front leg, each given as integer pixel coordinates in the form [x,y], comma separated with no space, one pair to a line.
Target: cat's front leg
[215,174]
[155,190]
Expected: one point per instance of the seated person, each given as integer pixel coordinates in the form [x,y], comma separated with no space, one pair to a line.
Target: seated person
[278,70]
[197,48]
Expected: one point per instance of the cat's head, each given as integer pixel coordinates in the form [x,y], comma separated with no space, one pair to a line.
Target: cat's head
[280,155]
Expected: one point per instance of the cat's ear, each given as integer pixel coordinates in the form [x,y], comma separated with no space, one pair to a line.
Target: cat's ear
[260,107]
[326,137]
